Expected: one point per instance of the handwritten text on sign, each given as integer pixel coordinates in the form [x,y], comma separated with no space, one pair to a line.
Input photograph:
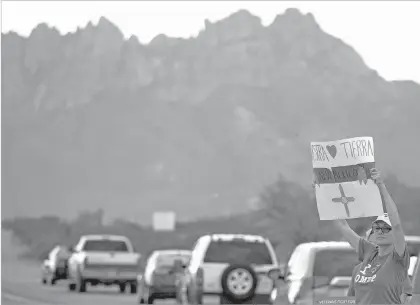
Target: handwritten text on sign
[344,188]
[350,151]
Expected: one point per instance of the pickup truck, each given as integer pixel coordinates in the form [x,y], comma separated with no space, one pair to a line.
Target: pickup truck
[103,259]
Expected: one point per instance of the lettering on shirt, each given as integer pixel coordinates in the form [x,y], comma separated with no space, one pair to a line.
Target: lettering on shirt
[364,279]
[368,266]
[367,274]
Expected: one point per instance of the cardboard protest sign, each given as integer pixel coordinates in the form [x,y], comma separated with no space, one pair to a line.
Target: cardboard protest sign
[343,185]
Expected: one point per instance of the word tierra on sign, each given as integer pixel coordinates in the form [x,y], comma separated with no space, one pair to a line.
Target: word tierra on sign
[358,148]
[351,149]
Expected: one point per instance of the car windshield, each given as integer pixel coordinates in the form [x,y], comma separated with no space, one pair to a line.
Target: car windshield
[106,245]
[413,248]
[63,252]
[168,260]
[234,251]
[335,262]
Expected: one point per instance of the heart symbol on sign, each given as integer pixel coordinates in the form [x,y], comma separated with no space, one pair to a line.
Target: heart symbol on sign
[332,150]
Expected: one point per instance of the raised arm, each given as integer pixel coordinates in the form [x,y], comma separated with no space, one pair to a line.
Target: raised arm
[347,233]
[391,208]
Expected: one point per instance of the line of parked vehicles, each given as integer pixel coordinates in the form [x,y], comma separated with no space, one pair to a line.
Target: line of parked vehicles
[234,268]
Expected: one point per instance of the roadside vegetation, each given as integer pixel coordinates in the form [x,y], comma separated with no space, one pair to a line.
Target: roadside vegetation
[287,215]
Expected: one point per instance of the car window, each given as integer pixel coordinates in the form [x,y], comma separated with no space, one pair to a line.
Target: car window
[105,245]
[234,251]
[413,248]
[334,262]
[62,253]
[168,260]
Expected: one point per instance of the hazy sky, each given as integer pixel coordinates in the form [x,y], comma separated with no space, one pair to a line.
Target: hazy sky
[386,34]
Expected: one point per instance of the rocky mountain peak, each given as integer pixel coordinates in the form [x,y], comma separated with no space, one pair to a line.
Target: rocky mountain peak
[294,20]
[85,115]
[43,29]
[237,26]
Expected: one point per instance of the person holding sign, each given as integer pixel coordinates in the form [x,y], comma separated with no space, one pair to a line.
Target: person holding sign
[407,289]
[380,278]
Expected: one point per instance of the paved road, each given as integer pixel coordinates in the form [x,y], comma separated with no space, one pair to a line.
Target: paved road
[21,285]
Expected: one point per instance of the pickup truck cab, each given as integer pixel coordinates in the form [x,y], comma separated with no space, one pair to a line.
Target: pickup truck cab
[103,259]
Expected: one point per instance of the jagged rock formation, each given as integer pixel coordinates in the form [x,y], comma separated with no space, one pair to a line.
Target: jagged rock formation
[197,125]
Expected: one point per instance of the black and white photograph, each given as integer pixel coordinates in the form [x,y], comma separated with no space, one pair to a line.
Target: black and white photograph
[210,152]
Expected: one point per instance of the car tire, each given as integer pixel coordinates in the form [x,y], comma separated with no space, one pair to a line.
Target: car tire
[122,287]
[200,297]
[80,284]
[133,288]
[194,295]
[251,280]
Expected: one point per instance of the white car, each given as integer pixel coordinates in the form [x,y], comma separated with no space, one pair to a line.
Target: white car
[232,267]
[103,259]
[316,271]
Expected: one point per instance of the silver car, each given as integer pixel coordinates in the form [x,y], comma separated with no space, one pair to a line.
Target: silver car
[55,267]
[161,276]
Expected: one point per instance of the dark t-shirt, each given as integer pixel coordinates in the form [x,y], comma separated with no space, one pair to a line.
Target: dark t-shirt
[379,279]
[407,288]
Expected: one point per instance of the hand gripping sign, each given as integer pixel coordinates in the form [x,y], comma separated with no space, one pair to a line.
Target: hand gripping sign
[343,185]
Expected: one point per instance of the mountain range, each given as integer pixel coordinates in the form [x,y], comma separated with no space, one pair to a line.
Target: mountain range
[91,120]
